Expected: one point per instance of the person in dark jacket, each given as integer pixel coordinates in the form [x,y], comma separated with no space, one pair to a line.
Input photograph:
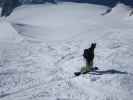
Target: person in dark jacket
[88,55]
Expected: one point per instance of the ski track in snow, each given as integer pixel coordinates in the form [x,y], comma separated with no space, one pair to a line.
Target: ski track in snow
[40,67]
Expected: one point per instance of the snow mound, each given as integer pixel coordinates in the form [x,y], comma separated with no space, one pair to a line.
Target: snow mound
[119,10]
[42,21]
[42,33]
[63,10]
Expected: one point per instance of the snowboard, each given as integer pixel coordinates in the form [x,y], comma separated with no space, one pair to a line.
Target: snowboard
[93,71]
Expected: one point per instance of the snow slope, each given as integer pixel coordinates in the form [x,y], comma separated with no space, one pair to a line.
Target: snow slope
[41,65]
[8,33]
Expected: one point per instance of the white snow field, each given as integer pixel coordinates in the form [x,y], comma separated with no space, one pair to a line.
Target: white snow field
[41,46]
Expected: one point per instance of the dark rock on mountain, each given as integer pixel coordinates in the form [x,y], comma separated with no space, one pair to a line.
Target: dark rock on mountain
[8,6]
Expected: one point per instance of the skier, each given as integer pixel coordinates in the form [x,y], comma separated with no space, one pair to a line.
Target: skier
[88,55]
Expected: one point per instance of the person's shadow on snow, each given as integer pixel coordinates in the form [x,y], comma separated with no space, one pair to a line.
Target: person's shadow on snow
[110,71]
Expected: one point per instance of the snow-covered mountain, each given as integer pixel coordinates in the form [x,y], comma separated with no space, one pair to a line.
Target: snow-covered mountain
[9,5]
[42,46]
[100,2]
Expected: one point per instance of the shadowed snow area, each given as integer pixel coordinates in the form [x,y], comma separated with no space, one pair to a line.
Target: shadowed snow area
[49,47]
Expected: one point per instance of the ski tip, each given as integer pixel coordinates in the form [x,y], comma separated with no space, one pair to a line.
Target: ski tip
[77,73]
[96,68]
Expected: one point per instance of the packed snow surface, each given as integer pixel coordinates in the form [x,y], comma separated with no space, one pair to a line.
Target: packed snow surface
[8,33]
[42,46]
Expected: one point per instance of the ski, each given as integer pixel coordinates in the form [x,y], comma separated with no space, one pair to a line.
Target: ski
[93,71]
